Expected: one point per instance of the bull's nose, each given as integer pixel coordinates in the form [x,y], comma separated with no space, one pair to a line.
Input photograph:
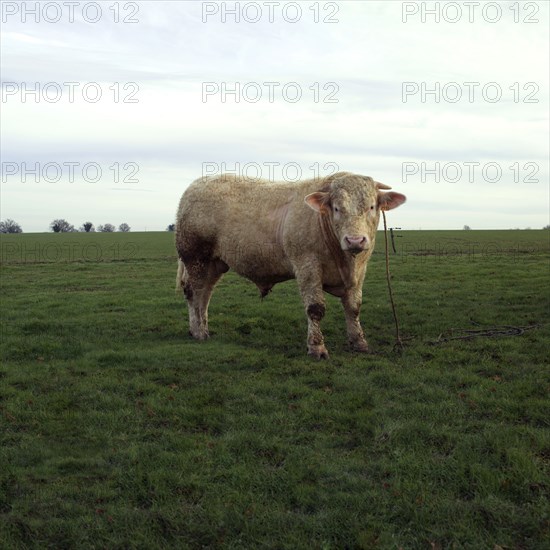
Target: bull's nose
[356,241]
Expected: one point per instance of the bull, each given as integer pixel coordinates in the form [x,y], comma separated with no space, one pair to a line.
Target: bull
[320,232]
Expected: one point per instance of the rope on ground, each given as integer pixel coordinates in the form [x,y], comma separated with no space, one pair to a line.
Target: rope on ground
[491,332]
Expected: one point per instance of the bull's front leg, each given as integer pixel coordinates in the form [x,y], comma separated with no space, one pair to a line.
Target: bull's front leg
[351,301]
[311,288]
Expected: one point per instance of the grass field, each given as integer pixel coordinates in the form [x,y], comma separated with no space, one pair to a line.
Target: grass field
[119,431]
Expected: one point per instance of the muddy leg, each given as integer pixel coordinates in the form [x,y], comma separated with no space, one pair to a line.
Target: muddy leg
[352,306]
[198,283]
[311,288]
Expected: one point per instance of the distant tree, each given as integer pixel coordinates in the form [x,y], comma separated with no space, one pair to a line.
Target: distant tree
[107,228]
[467,228]
[124,228]
[61,226]
[87,227]
[9,226]
[171,227]
[546,226]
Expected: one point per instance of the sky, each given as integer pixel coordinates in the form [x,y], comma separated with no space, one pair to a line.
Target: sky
[109,110]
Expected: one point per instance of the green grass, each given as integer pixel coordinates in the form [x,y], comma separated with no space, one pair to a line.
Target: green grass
[119,431]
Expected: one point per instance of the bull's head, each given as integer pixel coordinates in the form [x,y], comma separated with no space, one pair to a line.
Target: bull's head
[352,204]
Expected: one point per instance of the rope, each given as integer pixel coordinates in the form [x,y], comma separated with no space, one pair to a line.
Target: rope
[398,346]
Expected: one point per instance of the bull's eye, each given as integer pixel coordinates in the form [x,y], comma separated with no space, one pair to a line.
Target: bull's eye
[372,207]
[336,209]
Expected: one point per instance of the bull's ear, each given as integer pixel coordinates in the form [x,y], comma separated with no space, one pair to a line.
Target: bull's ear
[318,201]
[388,201]
[381,185]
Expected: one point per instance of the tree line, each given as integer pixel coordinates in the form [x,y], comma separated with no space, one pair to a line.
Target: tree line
[63,226]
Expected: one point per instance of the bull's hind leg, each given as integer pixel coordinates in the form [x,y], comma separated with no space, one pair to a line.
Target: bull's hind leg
[199,281]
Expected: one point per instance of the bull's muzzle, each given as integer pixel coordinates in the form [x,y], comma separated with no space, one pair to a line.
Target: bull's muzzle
[356,243]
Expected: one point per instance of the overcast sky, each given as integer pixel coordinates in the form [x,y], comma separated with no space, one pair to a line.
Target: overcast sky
[476,154]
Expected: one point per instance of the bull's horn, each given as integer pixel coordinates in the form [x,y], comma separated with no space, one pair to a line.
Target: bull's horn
[382,185]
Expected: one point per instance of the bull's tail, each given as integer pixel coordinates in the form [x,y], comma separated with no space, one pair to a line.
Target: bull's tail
[180,275]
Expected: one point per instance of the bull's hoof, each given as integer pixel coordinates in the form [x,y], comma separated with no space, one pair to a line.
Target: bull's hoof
[317,352]
[199,335]
[361,346]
